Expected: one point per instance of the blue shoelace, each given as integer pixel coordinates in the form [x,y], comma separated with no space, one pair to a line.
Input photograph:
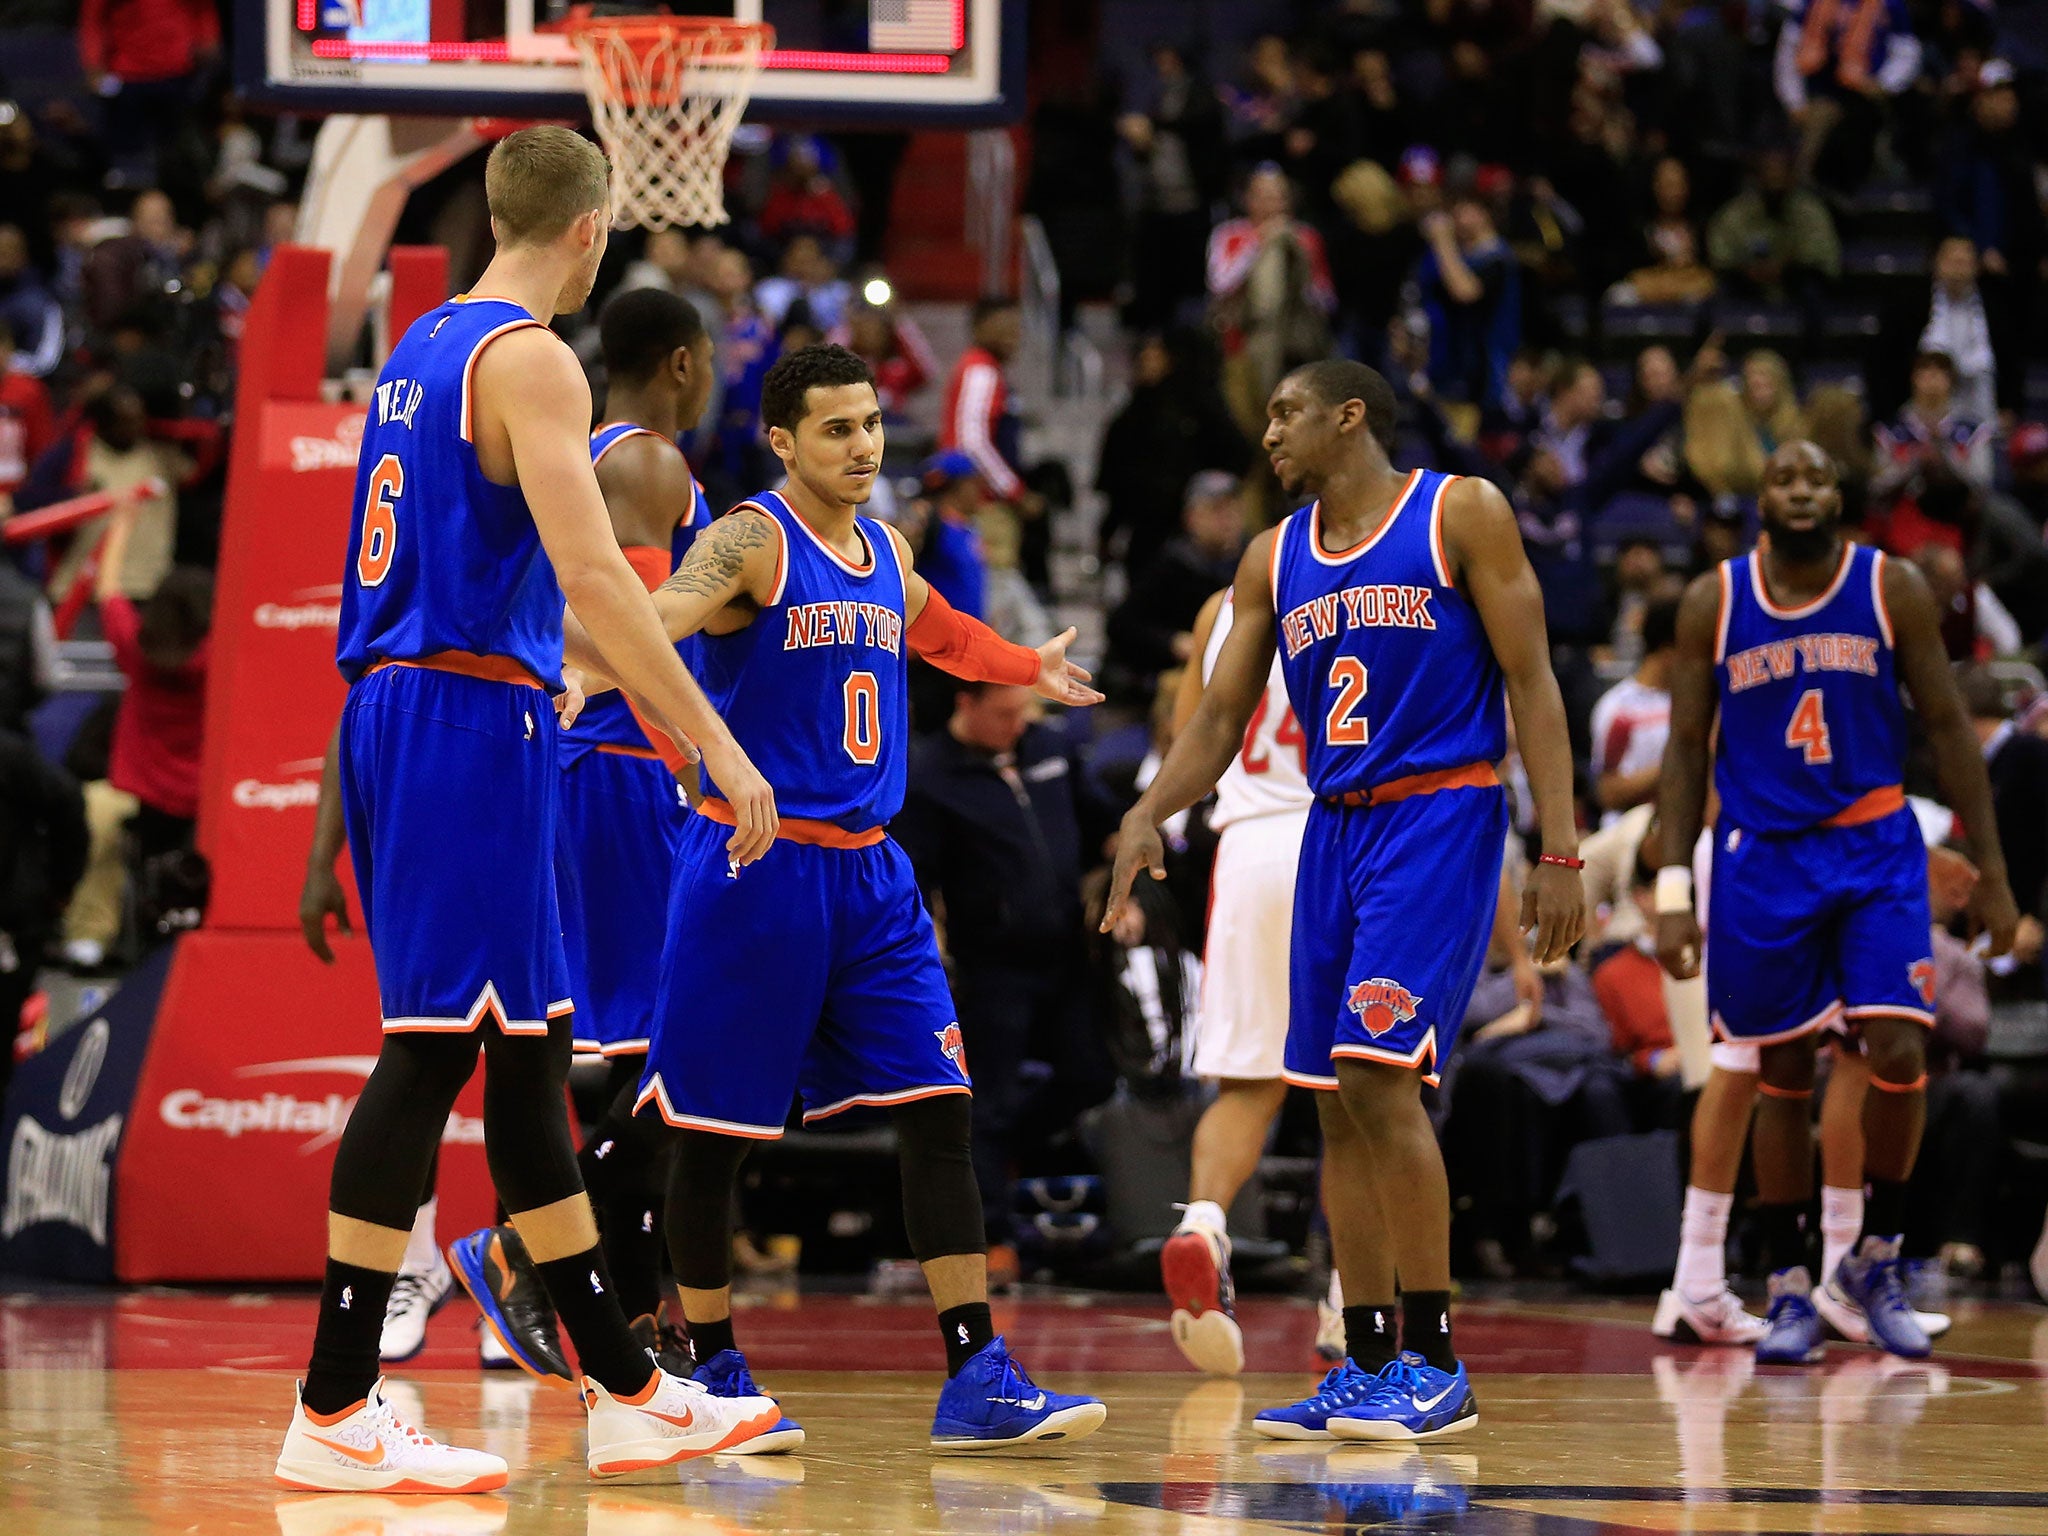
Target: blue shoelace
[1783,1300]
[1886,1286]
[1396,1381]
[1335,1389]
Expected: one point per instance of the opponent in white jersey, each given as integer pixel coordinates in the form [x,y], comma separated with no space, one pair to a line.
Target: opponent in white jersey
[1262,804]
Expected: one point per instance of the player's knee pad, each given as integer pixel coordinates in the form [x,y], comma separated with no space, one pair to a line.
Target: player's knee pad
[526,1119]
[941,1201]
[698,1212]
[387,1153]
[1897,1052]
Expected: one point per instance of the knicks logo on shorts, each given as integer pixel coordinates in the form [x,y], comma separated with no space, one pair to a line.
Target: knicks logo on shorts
[952,1047]
[1381,1004]
[1921,975]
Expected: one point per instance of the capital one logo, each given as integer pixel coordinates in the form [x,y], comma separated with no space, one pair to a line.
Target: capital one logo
[298,784]
[317,1117]
[308,608]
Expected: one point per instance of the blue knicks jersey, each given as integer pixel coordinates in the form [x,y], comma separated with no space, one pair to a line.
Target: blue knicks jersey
[1387,665]
[816,688]
[607,720]
[440,558]
[1811,718]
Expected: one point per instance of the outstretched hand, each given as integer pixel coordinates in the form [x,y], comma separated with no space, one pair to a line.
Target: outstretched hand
[1060,679]
[1137,846]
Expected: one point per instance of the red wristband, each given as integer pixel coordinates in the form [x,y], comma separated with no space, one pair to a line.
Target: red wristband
[1561,861]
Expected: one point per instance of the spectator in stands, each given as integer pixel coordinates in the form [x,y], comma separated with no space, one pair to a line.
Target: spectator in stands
[1836,420]
[1174,426]
[2028,452]
[1471,290]
[1633,718]
[745,351]
[804,200]
[1985,189]
[1671,218]
[1640,578]
[895,350]
[1929,463]
[807,275]
[1270,295]
[28,309]
[1674,274]
[1572,417]
[993,823]
[1612,854]
[1974,624]
[2018,764]
[148,59]
[977,419]
[1838,63]
[1775,240]
[27,426]
[939,525]
[1722,451]
[1153,629]
[1629,984]
[114,452]
[1176,146]
[135,272]
[1963,321]
[152,782]
[42,854]
[1506,425]
[31,176]
[29,662]
[1770,401]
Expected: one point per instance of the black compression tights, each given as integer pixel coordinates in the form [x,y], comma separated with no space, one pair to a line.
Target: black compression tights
[625,1161]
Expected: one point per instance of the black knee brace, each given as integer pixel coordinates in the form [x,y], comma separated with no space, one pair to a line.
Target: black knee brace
[388,1147]
[698,1213]
[941,1201]
[526,1117]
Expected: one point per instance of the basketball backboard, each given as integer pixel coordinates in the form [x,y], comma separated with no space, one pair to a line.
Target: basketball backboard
[881,62]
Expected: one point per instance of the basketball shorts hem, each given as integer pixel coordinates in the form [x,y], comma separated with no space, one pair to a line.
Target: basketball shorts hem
[488,1005]
[1425,1050]
[1295,1079]
[655,1092]
[883,1100]
[1827,1017]
[610,1049]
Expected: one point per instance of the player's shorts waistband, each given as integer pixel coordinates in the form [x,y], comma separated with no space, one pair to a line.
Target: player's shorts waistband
[796,829]
[1471,776]
[1874,806]
[620,749]
[491,669]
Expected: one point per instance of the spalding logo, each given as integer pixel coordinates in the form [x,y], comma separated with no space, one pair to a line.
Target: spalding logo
[1381,1004]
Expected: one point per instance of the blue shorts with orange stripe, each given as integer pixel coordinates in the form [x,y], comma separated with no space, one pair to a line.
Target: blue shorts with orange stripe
[1393,907]
[449,792]
[812,972]
[1818,930]
[622,817]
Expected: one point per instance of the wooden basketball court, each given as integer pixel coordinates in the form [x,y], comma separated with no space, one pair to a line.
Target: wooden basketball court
[162,1410]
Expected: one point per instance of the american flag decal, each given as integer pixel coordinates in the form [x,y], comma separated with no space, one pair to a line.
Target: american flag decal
[915,26]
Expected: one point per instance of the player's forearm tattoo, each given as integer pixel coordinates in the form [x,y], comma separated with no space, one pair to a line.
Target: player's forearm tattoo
[716,560]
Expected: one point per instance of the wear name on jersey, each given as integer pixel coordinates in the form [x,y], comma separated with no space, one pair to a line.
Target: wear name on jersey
[844,623]
[1777,659]
[397,400]
[1381,1004]
[1367,607]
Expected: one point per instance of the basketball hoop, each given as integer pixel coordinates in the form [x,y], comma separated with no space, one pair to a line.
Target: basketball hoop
[666,93]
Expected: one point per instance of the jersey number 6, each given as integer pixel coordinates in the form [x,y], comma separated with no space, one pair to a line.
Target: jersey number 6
[863,726]
[1342,728]
[380,521]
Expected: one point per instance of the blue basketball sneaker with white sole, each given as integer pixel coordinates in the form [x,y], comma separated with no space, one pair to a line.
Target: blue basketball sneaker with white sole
[1345,1387]
[1793,1331]
[1869,1277]
[992,1405]
[1412,1400]
[725,1374]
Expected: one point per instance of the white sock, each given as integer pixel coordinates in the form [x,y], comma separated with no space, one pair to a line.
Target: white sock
[1841,1222]
[1337,1291]
[1703,1245]
[1203,1213]
[422,1253]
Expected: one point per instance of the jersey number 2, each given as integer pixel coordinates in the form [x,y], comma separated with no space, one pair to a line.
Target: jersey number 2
[380,521]
[1343,728]
[863,723]
[1809,729]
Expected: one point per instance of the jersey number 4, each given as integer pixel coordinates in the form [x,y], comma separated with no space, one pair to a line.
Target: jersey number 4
[1344,727]
[380,521]
[1809,729]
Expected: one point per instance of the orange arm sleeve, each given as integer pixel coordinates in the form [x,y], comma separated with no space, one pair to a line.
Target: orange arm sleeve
[953,642]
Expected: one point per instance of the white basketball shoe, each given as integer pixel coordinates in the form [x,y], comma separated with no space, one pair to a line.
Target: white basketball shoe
[670,1420]
[370,1449]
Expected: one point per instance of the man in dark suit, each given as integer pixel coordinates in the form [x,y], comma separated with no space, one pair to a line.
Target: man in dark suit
[2018,765]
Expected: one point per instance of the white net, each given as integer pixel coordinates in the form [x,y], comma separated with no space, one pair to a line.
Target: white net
[666,95]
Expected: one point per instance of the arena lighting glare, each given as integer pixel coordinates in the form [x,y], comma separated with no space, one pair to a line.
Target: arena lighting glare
[877,291]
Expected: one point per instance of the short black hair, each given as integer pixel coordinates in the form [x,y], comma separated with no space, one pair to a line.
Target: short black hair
[797,373]
[639,329]
[1337,379]
[1660,625]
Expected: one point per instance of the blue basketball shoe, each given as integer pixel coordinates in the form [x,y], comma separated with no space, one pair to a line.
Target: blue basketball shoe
[1344,1388]
[1412,1400]
[1793,1331]
[992,1405]
[1869,1278]
[725,1374]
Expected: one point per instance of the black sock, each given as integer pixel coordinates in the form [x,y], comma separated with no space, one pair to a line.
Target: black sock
[1783,1227]
[580,1286]
[1369,1335]
[707,1339]
[967,1330]
[1884,1210]
[1426,1327]
[344,1365]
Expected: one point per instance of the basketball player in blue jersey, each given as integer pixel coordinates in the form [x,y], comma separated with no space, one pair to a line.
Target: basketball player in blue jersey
[1797,653]
[817,971]
[622,813]
[476,513]
[1402,607]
